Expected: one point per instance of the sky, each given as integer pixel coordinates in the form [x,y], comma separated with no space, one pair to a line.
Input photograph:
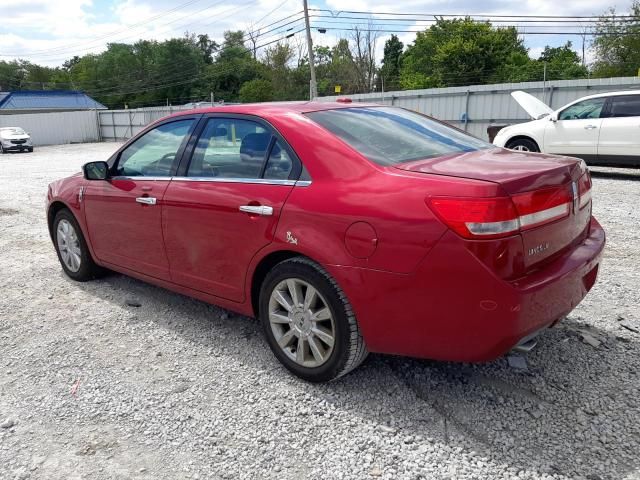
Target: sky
[48,32]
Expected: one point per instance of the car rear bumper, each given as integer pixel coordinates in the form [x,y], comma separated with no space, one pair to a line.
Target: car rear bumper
[454,308]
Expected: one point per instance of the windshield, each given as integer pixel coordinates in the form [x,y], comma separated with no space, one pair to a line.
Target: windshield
[388,136]
[12,130]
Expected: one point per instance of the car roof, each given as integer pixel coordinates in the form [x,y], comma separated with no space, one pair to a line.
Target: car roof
[275,108]
[612,94]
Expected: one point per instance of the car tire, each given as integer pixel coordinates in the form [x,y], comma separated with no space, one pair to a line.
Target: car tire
[72,249]
[523,145]
[321,321]
[30,150]
[2,151]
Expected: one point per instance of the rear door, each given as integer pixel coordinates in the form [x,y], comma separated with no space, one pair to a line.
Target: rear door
[226,204]
[123,213]
[577,130]
[620,132]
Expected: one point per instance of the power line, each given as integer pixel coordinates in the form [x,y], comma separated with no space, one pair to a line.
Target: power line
[455,15]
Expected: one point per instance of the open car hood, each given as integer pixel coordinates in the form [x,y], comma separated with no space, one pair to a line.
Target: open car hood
[534,107]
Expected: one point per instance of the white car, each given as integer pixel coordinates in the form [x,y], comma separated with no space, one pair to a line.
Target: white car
[602,129]
[14,139]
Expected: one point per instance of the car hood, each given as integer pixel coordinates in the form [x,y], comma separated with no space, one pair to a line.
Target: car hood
[14,136]
[534,107]
[514,171]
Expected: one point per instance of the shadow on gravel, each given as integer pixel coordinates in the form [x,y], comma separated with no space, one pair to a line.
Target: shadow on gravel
[613,175]
[572,412]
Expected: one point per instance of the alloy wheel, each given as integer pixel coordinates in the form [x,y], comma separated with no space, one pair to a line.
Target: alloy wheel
[302,322]
[520,148]
[68,245]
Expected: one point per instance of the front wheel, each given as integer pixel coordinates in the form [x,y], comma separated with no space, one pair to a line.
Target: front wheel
[72,249]
[308,321]
[523,145]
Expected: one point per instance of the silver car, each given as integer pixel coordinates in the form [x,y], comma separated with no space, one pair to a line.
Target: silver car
[14,139]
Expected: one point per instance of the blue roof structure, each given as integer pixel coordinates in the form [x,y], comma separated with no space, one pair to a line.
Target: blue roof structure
[48,100]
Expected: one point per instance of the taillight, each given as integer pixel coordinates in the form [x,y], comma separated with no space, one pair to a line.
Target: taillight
[584,189]
[502,216]
[542,206]
[477,217]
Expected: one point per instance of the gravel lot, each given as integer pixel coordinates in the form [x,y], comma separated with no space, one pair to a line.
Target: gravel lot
[93,387]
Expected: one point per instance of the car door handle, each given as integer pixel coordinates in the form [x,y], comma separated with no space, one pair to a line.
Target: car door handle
[590,127]
[257,209]
[146,200]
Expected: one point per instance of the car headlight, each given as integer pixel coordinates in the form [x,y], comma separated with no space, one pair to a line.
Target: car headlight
[6,142]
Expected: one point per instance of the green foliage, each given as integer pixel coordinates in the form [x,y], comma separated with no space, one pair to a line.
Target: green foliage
[256,90]
[563,63]
[460,52]
[617,49]
[391,62]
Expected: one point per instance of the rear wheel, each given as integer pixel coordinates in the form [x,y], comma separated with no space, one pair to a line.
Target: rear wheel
[72,249]
[523,145]
[308,322]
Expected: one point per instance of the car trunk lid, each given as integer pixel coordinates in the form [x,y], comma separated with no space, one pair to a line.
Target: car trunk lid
[543,199]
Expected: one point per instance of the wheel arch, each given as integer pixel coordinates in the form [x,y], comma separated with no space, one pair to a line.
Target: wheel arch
[522,137]
[262,269]
[53,210]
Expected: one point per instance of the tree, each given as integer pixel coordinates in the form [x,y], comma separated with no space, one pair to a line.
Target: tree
[617,44]
[363,53]
[207,46]
[256,90]
[233,66]
[459,52]
[277,59]
[390,70]
[562,63]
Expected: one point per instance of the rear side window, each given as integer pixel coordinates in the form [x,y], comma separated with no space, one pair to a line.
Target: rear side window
[388,136]
[230,148]
[627,106]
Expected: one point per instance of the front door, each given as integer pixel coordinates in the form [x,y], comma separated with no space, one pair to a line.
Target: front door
[123,213]
[577,129]
[226,207]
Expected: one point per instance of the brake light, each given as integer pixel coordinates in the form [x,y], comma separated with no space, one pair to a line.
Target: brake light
[542,206]
[502,216]
[584,189]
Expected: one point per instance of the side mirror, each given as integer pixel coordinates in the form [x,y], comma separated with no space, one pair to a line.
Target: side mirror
[553,116]
[96,170]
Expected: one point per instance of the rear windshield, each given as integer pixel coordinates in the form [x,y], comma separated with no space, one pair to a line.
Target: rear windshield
[388,136]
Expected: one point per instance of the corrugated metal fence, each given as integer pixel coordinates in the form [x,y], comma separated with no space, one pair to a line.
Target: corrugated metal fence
[123,124]
[471,108]
[474,108]
[56,128]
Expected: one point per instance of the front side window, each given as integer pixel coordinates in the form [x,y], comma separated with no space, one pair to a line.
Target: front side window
[590,108]
[388,136]
[625,106]
[154,154]
[230,148]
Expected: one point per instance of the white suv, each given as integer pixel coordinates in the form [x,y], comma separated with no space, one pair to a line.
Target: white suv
[14,139]
[602,129]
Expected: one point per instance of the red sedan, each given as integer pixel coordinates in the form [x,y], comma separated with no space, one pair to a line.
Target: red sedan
[345,229]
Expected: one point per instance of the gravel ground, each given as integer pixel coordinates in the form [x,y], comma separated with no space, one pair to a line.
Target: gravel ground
[93,387]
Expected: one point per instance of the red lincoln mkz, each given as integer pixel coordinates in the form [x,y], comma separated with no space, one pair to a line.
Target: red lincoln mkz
[345,229]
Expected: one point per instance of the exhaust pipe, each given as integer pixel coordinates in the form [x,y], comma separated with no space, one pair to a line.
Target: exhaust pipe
[525,345]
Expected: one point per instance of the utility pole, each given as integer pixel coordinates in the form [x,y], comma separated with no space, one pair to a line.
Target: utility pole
[313,86]
[211,95]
